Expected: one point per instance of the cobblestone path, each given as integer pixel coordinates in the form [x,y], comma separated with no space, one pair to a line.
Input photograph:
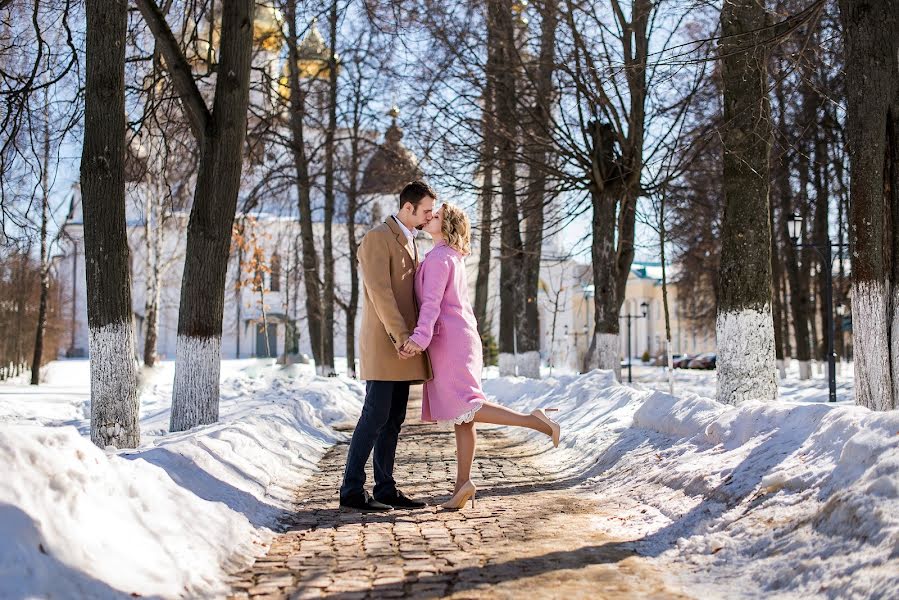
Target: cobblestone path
[528,536]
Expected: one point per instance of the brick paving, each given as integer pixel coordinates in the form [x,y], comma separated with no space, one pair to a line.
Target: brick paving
[530,534]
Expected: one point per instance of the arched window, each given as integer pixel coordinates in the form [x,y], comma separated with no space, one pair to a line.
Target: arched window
[275,276]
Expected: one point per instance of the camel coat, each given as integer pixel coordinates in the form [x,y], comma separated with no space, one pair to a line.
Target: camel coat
[389,311]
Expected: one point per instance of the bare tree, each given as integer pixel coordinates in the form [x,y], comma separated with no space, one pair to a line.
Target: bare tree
[326,367]
[301,160]
[38,356]
[745,330]
[114,399]
[871,31]
[220,135]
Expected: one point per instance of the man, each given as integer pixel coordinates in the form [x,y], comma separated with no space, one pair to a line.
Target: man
[388,258]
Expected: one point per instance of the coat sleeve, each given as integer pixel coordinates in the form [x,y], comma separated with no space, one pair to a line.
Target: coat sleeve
[374,260]
[435,279]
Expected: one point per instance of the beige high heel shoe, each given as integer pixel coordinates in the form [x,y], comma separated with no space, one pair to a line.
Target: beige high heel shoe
[468,490]
[540,413]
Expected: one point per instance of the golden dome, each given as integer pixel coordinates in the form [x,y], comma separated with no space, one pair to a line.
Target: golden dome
[268,33]
[312,60]
[267,27]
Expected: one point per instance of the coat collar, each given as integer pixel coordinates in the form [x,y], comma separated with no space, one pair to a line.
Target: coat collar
[401,238]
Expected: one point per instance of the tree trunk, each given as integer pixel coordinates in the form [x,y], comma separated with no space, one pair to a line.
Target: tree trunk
[195,396]
[806,256]
[871,30]
[153,232]
[297,109]
[776,276]
[114,399]
[38,356]
[536,156]
[352,306]
[839,284]
[238,285]
[604,352]
[614,187]
[744,328]
[488,166]
[353,244]
[326,367]
[821,235]
[798,295]
[510,234]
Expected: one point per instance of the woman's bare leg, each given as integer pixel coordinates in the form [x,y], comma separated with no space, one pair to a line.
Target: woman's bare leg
[466,440]
[500,415]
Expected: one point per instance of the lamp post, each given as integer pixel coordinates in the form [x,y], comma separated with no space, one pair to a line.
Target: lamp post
[794,230]
[644,309]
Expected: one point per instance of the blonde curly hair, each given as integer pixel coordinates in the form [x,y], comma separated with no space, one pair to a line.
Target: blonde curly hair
[456,228]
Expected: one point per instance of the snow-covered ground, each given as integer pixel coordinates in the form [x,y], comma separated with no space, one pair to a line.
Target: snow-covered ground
[171,517]
[796,499]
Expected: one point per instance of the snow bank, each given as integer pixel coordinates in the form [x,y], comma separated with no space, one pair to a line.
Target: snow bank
[170,517]
[786,498]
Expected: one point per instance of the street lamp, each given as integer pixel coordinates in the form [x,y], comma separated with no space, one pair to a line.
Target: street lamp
[794,230]
[644,310]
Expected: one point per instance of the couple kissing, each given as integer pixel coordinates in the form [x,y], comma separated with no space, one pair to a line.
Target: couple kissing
[418,327]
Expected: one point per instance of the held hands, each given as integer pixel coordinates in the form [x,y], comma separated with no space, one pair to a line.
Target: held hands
[409,349]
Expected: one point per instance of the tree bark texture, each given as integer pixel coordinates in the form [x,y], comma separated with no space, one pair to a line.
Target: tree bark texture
[537,154]
[821,233]
[614,189]
[297,109]
[507,142]
[38,355]
[871,31]
[327,365]
[488,168]
[195,397]
[153,233]
[744,328]
[114,399]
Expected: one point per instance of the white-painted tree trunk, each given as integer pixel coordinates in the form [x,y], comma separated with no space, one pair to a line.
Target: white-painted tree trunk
[197,368]
[805,369]
[114,400]
[781,369]
[507,365]
[325,371]
[746,361]
[606,353]
[870,319]
[529,364]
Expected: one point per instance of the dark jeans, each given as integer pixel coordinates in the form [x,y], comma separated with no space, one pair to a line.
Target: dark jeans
[378,429]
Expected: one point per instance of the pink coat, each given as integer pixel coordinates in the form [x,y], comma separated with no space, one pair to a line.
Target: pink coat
[448,330]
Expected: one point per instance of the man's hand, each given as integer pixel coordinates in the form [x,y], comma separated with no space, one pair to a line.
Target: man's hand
[409,349]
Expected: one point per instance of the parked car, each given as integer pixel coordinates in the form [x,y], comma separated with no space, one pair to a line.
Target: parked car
[662,360]
[704,361]
[683,360]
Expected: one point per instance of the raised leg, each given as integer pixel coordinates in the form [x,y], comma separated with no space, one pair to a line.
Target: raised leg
[500,415]
[466,441]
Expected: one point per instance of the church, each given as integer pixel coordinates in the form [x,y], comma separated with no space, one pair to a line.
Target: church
[264,304]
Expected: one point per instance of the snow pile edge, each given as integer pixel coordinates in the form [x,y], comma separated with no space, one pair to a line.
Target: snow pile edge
[170,518]
[767,497]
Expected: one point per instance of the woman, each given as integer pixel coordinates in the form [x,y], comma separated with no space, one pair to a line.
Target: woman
[448,330]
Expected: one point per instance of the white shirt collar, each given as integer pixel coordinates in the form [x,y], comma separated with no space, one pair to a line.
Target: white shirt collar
[409,234]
